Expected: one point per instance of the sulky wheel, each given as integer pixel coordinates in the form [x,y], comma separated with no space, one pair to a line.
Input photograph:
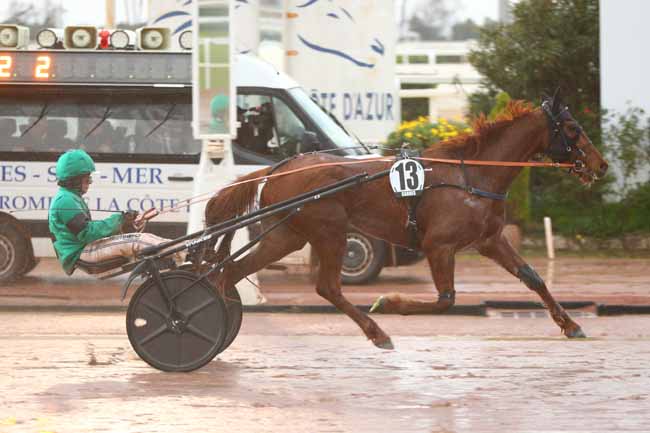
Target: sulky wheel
[180,340]
[235,311]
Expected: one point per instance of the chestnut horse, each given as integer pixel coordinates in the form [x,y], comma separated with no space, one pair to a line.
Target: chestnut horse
[449,217]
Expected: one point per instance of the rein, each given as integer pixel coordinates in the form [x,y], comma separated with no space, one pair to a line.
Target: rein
[153,212]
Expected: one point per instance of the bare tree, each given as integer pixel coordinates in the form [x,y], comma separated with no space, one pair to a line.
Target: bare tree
[26,13]
[432,19]
[20,12]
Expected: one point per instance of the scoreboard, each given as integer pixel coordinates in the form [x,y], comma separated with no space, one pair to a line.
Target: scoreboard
[100,67]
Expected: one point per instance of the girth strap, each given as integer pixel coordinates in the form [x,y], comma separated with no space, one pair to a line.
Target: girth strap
[412,223]
[476,191]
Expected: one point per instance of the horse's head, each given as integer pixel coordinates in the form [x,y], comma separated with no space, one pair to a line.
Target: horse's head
[568,142]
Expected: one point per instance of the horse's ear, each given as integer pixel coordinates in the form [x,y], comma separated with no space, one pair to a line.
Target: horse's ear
[557,100]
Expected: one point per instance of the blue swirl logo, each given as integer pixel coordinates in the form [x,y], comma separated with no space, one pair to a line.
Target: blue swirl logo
[342,15]
[176,14]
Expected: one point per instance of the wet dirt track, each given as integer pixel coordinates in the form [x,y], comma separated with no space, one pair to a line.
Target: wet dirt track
[600,280]
[316,373]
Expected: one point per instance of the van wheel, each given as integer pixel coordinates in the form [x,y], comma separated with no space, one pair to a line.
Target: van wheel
[14,252]
[363,259]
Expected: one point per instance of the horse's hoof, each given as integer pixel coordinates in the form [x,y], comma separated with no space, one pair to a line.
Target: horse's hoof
[576,333]
[384,344]
[378,306]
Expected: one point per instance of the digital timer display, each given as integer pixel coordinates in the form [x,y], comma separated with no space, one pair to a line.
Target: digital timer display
[41,67]
[82,67]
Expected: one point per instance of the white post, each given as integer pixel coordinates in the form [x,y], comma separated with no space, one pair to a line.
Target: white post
[548,230]
[433,109]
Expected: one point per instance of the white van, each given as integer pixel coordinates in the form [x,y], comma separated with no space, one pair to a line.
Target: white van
[131,110]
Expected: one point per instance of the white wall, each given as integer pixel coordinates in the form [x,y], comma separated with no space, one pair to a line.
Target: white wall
[625,63]
[624,59]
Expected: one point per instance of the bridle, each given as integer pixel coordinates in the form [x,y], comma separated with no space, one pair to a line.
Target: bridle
[561,147]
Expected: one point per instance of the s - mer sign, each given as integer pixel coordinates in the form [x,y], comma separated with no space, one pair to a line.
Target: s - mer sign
[117,175]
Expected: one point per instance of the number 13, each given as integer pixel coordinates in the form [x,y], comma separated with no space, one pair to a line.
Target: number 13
[412,181]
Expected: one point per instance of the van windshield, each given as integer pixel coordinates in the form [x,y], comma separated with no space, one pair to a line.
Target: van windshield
[107,125]
[339,138]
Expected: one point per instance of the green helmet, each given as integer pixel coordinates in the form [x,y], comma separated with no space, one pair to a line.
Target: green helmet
[74,163]
[218,104]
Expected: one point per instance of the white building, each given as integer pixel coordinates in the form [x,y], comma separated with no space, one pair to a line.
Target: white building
[624,59]
[441,64]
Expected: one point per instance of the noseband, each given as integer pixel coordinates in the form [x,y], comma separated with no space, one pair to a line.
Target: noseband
[561,147]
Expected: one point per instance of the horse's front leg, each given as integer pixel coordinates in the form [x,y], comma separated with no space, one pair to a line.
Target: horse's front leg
[441,262]
[499,249]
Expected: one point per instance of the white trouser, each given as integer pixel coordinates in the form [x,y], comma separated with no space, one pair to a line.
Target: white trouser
[125,245]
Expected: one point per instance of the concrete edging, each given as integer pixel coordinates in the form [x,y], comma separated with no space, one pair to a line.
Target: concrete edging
[477,310]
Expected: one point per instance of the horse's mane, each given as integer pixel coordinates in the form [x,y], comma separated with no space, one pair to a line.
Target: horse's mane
[470,144]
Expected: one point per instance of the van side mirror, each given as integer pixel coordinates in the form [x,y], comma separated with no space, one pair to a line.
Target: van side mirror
[310,142]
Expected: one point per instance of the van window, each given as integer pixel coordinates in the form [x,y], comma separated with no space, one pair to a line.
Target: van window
[269,130]
[256,131]
[102,127]
[336,136]
[290,129]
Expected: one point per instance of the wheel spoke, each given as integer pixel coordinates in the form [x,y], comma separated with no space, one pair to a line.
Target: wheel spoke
[199,307]
[196,331]
[154,309]
[156,333]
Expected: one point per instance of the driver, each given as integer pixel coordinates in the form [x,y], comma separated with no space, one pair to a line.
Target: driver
[75,235]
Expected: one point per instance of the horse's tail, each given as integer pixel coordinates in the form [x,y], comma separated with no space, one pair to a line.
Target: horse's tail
[232,202]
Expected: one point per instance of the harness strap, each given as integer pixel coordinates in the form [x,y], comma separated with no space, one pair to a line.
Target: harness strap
[412,223]
[277,165]
[487,194]
[476,191]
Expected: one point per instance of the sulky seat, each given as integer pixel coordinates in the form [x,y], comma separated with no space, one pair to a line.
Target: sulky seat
[101,267]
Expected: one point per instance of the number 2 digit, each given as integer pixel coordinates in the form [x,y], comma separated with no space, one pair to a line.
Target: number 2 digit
[42,67]
[5,66]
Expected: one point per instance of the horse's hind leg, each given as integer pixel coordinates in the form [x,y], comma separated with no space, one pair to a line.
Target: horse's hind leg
[274,246]
[441,262]
[330,254]
[499,249]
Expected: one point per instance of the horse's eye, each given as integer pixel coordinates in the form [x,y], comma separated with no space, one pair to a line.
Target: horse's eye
[575,129]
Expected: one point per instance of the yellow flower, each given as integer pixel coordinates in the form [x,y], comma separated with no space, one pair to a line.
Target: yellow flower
[408,134]
[453,134]
[434,131]
[443,121]
[468,130]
